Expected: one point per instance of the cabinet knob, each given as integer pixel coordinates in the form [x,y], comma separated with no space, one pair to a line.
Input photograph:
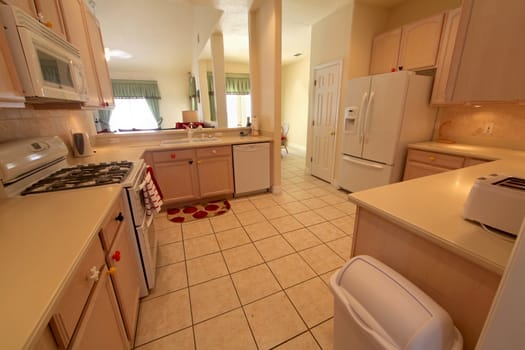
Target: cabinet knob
[199,162]
[214,151]
[120,217]
[112,270]
[116,256]
[190,161]
[173,155]
[431,158]
[93,274]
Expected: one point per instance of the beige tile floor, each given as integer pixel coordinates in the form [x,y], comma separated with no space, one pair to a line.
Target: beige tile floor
[254,278]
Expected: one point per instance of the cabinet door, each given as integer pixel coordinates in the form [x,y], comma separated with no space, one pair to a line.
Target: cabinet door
[487,64]
[26,5]
[385,52]
[177,180]
[448,39]
[125,278]
[101,326]
[50,14]
[76,32]
[97,49]
[11,94]
[215,176]
[420,43]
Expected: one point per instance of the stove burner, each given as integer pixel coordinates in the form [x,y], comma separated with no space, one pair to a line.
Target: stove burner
[87,175]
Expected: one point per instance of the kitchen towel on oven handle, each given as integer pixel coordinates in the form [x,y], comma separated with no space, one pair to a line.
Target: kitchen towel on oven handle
[152,194]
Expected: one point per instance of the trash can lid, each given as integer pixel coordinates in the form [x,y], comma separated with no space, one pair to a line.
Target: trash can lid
[384,300]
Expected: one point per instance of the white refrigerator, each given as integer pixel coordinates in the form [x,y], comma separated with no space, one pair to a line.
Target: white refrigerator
[383,114]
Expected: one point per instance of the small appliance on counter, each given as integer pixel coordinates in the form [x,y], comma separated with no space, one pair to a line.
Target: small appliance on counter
[81,145]
[498,201]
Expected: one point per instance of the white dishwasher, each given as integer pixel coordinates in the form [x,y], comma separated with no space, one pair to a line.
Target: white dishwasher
[251,167]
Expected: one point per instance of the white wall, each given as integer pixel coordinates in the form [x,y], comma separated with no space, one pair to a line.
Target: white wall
[295,85]
[330,42]
[174,92]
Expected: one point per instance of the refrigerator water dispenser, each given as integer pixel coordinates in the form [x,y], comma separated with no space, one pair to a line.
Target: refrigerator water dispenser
[350,120]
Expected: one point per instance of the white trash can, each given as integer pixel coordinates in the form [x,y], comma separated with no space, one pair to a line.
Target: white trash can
[378,309]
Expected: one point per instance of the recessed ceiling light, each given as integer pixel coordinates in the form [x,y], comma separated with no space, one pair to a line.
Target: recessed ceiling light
[109,53]
[298,54]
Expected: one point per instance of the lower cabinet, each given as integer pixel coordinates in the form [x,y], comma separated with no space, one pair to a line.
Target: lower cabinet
[99,306]
[191,174]
[423,163]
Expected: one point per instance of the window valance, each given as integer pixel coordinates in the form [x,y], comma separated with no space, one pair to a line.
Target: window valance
[135,89]
[236,83]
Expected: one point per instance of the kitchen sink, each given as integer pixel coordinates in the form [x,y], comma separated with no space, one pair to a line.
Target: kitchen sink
[186,140]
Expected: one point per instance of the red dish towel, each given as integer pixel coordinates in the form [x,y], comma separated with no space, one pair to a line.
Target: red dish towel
[152,195]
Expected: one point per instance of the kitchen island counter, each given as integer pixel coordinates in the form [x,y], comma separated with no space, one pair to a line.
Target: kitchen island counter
[43,238]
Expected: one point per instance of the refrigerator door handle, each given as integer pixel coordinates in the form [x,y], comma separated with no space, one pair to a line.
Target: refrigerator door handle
[359,162]
[366,127]
[362,113]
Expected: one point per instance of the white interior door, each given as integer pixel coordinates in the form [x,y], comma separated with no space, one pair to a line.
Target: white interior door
[384,116]
[324,119]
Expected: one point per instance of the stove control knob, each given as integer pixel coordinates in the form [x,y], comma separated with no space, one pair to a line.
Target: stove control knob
[120,217]
[116,256]
[93,274]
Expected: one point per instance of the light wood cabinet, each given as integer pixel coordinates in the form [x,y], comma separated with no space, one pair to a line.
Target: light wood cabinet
[125,278]
[99,59]
[191,174]
[487,63]
[414,46]
[420,43]
[385,51]
[26,5]
[423,163]
[83,32]
[11,94]
[50,14]
[448,40]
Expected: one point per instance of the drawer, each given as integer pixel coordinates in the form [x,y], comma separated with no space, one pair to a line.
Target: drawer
[437,159]
[214,151]
[111,224]
[76,294]
[168,156]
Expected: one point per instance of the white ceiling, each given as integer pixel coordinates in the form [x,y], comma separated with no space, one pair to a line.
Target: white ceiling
[159,32]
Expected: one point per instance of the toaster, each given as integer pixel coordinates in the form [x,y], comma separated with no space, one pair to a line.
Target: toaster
[497,201]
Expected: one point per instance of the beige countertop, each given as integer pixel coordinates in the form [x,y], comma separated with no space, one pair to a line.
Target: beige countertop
[432,206]
[42,239]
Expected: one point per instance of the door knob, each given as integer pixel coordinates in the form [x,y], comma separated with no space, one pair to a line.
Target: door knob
[332,133]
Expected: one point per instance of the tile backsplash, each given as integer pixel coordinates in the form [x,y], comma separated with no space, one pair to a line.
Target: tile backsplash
[496,125]
[22,123]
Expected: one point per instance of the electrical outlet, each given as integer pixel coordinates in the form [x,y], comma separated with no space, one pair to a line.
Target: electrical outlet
[489,127]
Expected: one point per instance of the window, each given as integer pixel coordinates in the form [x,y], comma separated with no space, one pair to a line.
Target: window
[132,113]
[238,108]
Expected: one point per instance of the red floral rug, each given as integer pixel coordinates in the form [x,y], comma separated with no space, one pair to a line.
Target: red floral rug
[198,211]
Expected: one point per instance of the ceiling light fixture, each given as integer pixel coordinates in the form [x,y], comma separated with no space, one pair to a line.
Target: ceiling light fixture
[108,53]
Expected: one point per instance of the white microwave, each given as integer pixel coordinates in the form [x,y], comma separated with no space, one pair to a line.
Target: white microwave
[48,66]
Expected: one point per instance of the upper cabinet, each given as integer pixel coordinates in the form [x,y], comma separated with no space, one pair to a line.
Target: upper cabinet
[11,94]
[83,32]
[414,46]
[46,11]
[487,62]
[385,51]
[448,39]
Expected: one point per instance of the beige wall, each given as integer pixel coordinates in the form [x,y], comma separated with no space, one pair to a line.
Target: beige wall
[23,123]
[295,84]
[173,88]
[265,74]
[330,42]
[464,124]
[413,10]
[367,22]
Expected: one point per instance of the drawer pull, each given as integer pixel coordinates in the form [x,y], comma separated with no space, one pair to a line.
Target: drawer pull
[431,158]
[173,155]
[93,274]
[112,270]
[190,161]
[214,151]
[116,256]
[120,217]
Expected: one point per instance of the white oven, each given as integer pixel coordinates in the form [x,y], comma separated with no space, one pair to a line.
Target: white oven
[143,228]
